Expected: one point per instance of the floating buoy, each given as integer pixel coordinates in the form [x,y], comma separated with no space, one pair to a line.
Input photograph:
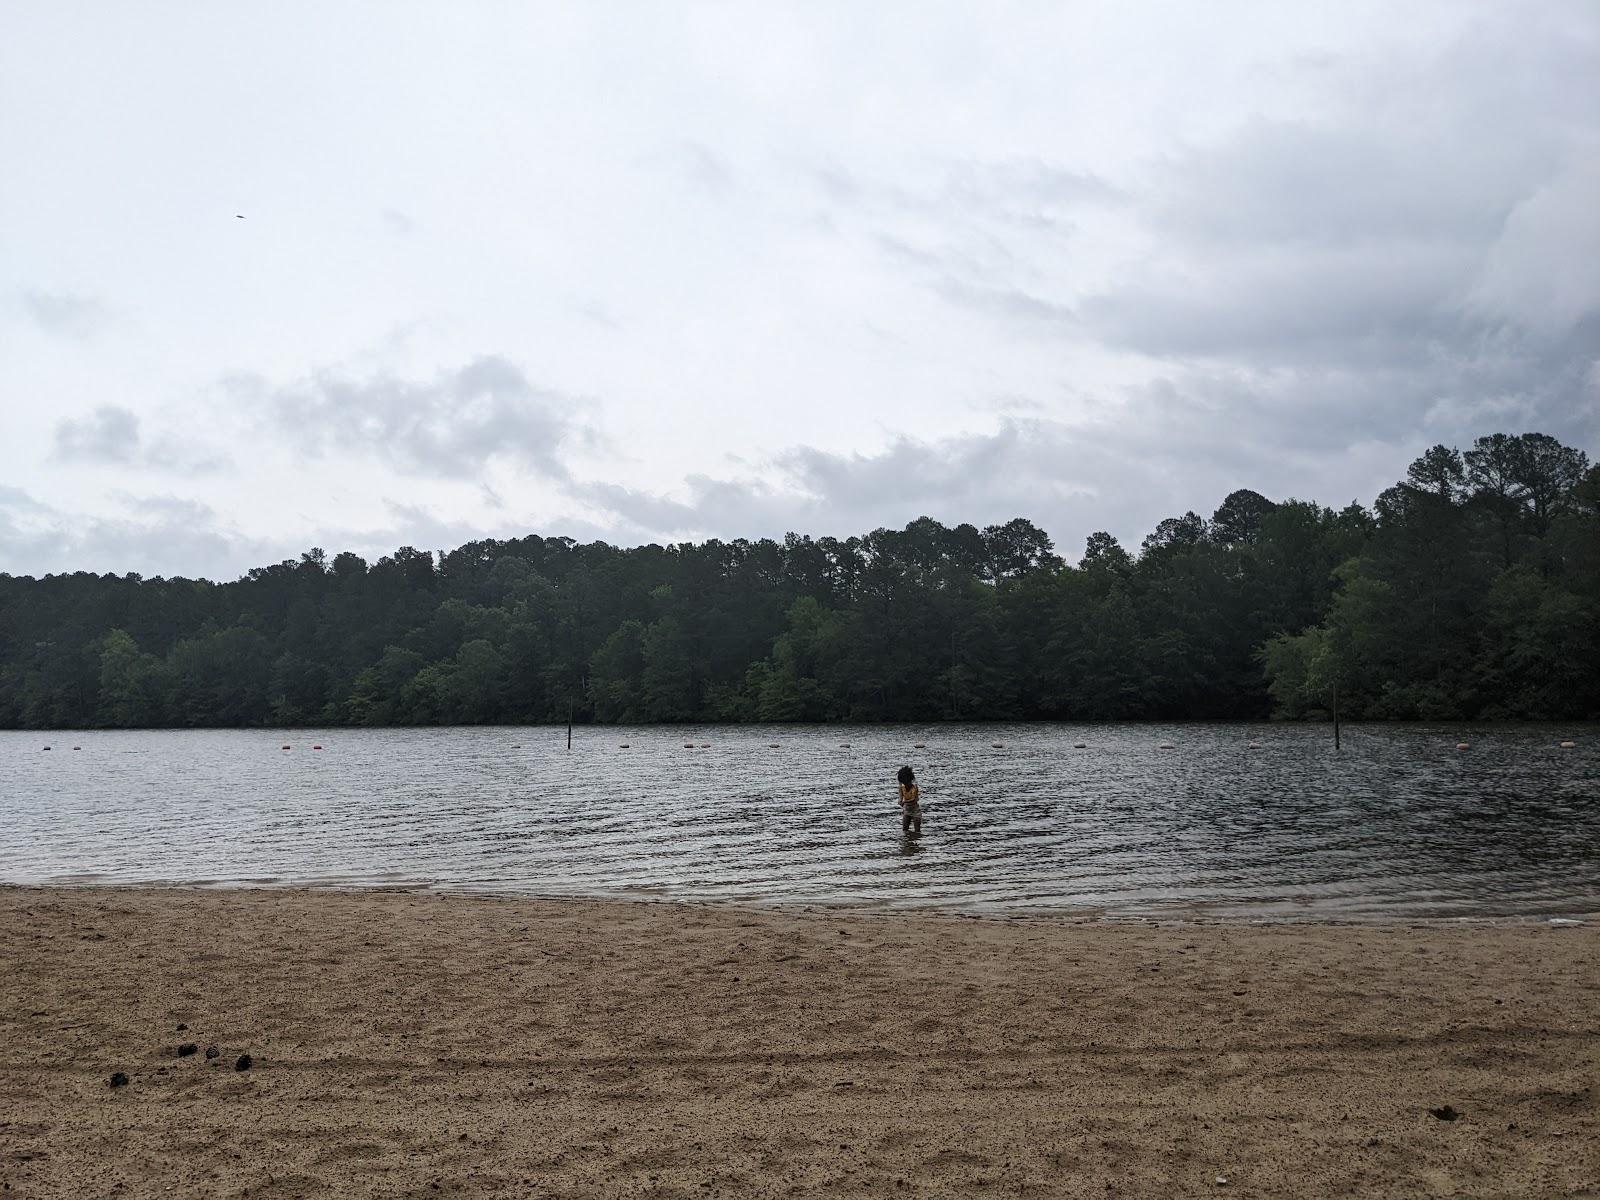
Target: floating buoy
[772,746]
[705,745]
[919,745]
[1166,746]
[688,745]
[47,747]
[286,747]
[1079,746]
[316,747]
[1463,746]
[77,747]
[1564,745]
[997,745]
[1255,745]
[844,745]
[624,746]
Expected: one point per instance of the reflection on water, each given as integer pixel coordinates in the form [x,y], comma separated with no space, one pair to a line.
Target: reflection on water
[1400,823]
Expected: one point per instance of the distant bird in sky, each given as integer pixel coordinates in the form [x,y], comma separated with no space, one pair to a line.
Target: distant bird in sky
[238,216]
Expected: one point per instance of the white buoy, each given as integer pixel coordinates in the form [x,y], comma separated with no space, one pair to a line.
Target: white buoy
[705,745]
[1568,745]
[772,746]
[1463,746]
[1080,746]
[919,745]
[1255,745]
[997,745]
[1166,746]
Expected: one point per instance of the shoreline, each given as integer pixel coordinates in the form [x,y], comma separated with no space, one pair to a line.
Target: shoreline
[504,1046]
[933,910]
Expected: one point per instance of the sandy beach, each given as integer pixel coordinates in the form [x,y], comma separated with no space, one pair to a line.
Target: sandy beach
[412,1045]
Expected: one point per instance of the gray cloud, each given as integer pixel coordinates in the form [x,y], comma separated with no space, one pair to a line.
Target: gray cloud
[111,435]
[1159,451]
[971,230]
[79,318]
[1033,468]
[157,534]
[449,427]
[397,222]
[1410,262]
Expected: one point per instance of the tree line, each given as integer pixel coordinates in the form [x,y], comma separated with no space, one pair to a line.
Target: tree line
[1470,589]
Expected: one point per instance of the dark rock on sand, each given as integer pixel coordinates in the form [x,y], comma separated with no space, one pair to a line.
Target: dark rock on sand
[118,1079]
[212,1052]
[187,1049]
[1445,1114]
[243,1063]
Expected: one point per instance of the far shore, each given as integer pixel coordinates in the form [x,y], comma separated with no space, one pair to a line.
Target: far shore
[411,1044]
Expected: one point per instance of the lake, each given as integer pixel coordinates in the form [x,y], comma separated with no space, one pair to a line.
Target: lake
[1398,824]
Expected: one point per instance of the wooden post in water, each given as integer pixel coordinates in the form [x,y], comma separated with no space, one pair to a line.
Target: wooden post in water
[569,726]
[1336,714]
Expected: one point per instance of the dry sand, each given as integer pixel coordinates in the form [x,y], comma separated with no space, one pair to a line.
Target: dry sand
[411,1045]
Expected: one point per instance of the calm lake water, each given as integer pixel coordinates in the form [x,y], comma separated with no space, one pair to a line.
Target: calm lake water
[1400,823]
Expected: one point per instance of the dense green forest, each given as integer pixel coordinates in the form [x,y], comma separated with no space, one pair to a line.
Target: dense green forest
[1471,589]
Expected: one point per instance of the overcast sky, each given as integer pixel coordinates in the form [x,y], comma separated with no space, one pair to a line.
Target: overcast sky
[656,272]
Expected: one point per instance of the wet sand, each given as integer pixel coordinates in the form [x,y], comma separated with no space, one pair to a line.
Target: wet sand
[412,1045]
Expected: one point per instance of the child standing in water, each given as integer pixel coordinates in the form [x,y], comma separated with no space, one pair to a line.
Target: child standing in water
[910,801]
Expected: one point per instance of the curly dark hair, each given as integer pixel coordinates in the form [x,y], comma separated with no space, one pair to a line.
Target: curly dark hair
[907,777]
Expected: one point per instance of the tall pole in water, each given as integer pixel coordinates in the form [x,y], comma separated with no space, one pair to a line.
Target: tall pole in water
[1335,712]
[569,725]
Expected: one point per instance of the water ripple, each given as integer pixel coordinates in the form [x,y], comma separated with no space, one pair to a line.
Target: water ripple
[1399,824]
